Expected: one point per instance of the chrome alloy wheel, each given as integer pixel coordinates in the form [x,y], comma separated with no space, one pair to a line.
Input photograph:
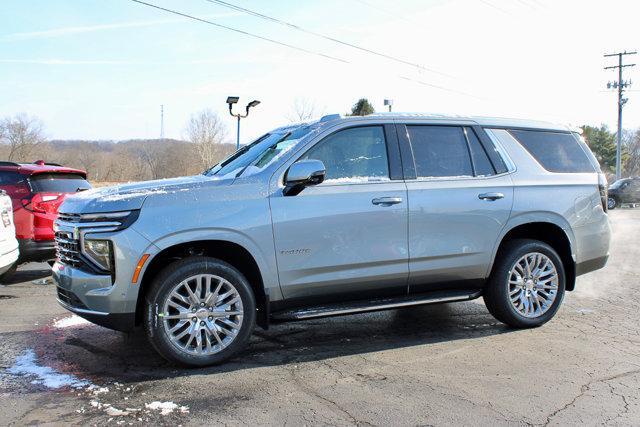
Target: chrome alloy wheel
[202,314]
[533,284]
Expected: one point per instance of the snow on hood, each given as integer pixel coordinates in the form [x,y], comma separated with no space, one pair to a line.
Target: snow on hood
[127,196]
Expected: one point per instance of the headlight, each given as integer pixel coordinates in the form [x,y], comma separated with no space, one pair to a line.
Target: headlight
[99,252]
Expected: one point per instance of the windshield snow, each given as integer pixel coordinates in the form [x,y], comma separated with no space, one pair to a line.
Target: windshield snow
[259,154]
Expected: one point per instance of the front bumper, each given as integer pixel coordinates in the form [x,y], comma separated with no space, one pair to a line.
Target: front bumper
[92,297]
[109,300]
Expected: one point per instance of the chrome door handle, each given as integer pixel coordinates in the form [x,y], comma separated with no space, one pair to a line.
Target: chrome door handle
[386,201]
[490,196]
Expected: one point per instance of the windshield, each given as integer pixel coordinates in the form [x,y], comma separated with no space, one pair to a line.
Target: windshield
[259,154]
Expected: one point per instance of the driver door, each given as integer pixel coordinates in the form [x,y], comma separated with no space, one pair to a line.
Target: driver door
[340,239]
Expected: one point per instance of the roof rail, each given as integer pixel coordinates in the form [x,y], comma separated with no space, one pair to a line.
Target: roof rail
[6,163]
[330,117]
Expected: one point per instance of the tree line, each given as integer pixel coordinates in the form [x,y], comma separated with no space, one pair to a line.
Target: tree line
[22,139]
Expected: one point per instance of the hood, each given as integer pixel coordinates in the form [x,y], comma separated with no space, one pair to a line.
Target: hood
[128,196]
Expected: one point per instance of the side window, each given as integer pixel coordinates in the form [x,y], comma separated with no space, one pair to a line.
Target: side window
[440,151]
[555,151]
[353,155]
[481,164]
[9,178]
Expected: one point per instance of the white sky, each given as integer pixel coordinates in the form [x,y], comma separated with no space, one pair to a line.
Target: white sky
[101,72]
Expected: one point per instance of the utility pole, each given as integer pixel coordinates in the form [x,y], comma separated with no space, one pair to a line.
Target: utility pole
[162,122]
[620,85]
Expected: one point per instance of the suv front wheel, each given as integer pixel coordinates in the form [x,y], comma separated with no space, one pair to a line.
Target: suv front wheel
[527,284]
[200,311]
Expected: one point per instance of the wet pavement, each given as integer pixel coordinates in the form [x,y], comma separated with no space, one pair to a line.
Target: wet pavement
[444,364]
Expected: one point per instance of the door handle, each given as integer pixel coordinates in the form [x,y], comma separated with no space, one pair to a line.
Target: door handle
[386,201]
[490,196]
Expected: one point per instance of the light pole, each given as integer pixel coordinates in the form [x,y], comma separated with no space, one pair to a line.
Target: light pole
[388,102]
[234,100]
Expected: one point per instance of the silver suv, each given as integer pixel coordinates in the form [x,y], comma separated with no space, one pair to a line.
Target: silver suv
[343,215]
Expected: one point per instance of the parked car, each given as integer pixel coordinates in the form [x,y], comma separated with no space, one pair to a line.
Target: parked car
[343,215]
[8,242]
[625,190]
[37,191]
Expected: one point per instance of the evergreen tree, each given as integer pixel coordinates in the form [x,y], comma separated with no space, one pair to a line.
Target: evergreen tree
[362,108]
[603,144]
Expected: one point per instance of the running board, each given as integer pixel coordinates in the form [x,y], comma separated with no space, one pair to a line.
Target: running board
[375,305]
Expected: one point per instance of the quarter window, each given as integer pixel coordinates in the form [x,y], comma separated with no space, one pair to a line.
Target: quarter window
[555,151]
[353,155]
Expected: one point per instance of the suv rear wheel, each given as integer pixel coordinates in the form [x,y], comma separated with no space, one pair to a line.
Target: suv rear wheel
[612,203]
[200,311]
[527,284]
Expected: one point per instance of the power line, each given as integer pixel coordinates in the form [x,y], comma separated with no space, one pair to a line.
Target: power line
[246,33]
[175,12]
[621,85]
[333,39]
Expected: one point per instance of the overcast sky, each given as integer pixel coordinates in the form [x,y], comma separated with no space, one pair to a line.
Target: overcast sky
[98,69]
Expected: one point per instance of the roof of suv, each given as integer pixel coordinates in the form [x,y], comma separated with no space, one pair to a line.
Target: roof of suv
[38,167]
[482,121]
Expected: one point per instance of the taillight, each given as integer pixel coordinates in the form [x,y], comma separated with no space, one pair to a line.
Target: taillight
[46,203]
[602,188]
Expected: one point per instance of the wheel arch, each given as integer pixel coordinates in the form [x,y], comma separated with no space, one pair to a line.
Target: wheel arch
[228,251]
[555,233]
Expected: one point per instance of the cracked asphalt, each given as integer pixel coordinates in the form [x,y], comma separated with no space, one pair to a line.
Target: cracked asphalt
[433,365]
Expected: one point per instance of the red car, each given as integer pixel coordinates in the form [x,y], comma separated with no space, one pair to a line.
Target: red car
[36,191]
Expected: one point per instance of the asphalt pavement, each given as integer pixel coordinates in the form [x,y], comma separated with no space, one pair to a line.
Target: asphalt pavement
[433,365]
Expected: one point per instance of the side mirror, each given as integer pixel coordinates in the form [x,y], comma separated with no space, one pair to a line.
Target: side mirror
[303,174]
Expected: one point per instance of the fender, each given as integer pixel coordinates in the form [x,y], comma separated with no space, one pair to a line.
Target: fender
[266,266]
[530,217]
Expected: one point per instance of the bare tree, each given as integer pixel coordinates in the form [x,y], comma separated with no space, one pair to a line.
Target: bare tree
[207,132]
[303,109]
[22,134]
[631,143]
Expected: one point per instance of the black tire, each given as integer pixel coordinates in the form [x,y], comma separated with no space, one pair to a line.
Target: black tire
[496,294]
[161,288]
[612,203]
[10,272]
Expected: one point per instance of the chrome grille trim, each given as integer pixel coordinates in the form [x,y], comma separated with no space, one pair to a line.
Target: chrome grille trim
[67,248]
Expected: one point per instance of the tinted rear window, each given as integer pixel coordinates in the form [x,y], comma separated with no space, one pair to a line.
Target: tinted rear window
[555,151]
[58,183]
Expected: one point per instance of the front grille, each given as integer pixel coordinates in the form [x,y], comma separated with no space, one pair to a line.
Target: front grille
[68,249]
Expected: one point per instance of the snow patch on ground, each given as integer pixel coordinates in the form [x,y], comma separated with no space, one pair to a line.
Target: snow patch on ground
[166,408]
[27,365]
[70,321]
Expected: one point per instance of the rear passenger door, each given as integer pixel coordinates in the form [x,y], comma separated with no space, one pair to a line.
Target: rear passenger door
[460,197]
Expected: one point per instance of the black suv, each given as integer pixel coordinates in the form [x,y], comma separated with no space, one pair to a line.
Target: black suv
[626,190]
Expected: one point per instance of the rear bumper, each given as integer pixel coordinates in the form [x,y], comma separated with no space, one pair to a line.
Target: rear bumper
[591,265]
[9,254]
[36,250]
